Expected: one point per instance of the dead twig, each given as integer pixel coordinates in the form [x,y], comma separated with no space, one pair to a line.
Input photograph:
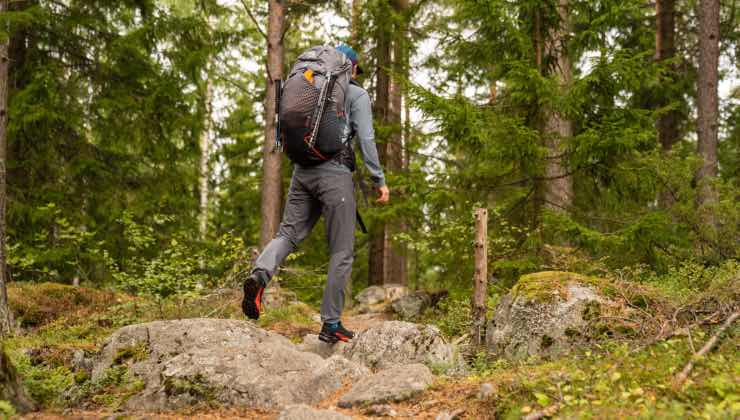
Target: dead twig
[681,377]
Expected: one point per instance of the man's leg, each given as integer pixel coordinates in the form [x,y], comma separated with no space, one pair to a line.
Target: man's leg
[338,205]
[301,213]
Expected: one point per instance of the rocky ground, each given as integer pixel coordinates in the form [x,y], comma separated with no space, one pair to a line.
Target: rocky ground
[113,355]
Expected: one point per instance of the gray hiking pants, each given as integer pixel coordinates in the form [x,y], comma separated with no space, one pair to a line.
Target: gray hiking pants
[313,192]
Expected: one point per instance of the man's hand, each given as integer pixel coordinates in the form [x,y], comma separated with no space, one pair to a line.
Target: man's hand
[383,195]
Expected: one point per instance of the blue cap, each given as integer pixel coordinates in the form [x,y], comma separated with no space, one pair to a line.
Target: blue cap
[351,54]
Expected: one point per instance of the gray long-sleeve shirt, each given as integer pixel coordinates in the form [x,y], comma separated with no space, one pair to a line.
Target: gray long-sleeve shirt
[360,116]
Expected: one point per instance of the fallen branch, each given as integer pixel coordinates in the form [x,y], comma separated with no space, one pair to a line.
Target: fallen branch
[681,377]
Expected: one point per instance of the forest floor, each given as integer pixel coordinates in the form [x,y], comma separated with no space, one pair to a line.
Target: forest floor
[612,379]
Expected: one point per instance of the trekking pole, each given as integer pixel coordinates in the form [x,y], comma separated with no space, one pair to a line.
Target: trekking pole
[278,96]
[327,88]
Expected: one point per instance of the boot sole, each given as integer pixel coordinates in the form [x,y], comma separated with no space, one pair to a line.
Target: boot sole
[333,338]
[252,299]
[328,338]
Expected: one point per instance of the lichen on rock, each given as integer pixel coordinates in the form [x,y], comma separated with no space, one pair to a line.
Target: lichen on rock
[545,314]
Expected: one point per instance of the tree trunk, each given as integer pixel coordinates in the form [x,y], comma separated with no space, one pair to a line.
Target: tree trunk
[11,389]
[355,30]
[395,162]
[205,148]
[6,321]
[272,186]
[557,128]
[665,49]
[707,100]
[378,263]
[387,261]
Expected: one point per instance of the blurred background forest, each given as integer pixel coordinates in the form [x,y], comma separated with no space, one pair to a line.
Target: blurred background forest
[138,156]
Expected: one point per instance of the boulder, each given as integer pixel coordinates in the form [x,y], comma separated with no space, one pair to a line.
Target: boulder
[371,296]
[231,362]
[375,295]
[400,343]
[412,305]
[304,412]
[390,385]
[544,315]
[312,344]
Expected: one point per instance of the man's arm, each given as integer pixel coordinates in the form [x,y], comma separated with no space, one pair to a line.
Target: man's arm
[362,124]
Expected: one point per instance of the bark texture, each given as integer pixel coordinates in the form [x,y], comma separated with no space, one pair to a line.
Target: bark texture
[6,321]
[395,163]
[665,49]
[387,262]
[556,127]
[707,99]
[205,172]
[272,186]
[379,257]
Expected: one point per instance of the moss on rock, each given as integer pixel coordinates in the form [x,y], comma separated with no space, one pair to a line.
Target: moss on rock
[546,286]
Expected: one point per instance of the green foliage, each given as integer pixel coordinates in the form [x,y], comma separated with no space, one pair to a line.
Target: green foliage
[7,411]
[111,390]
[178,268]
[614,381]
[297,314]
[452,317]
[45,383]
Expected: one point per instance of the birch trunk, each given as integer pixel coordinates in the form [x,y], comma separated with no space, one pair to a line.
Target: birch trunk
[205,149]
[272,186]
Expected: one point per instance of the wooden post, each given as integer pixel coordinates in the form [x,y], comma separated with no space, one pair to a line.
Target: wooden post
[480,294]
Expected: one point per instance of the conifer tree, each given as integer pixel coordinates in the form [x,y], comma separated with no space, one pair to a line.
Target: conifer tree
[6,321]
[272,187]
[708,100]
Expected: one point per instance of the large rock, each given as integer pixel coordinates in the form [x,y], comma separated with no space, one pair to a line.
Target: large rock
[544,315]
[230,362]
[411,305]
[304,412]
[400,343]
[377,298]
[392,343]
[371,296]
[390,385]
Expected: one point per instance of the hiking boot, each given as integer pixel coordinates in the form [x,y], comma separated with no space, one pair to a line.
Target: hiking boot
[252,301]
[331,333]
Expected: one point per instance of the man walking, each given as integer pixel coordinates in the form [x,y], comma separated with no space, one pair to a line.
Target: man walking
[326,189]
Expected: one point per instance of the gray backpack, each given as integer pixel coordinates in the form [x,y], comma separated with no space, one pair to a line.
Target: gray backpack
[312,124]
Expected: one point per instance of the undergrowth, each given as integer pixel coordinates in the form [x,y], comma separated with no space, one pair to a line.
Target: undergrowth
[614,381]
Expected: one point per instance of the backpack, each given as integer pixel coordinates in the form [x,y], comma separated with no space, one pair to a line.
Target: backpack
[312,125]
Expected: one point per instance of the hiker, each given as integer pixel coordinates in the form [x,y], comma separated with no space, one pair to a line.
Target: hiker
[321,184]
